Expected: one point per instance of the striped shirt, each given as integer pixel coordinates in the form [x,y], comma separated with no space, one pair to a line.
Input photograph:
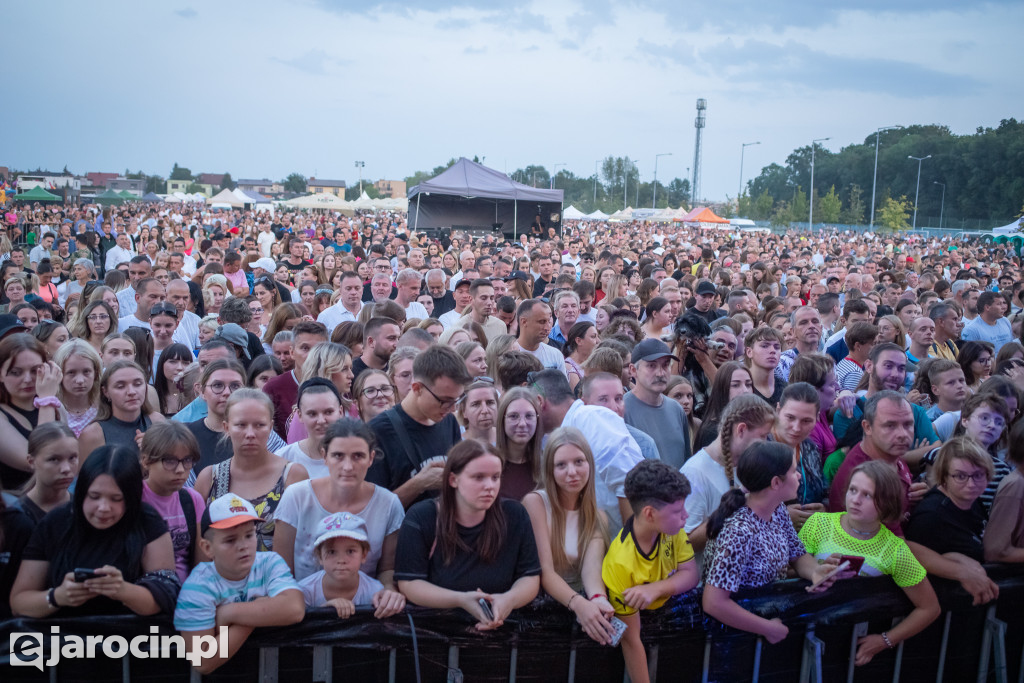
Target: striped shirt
[205,590]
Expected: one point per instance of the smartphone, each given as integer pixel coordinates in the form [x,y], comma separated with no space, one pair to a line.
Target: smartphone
[486,607]
[843,566]
[856,562]
[620,627]
[85,574]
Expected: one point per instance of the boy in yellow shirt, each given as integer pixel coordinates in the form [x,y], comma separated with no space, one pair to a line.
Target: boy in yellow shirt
[650,559]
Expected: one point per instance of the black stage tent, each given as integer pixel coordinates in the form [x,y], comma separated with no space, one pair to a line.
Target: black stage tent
[470,196]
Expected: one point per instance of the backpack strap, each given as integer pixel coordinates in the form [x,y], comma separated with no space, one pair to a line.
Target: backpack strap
[403,435]
[188,508]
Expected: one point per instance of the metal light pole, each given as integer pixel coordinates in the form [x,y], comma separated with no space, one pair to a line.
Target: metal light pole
[554,172]
[810,219]
[360,165]
[654,198]
[637,184]
[595,183]
[874,176]
[942,206]
[742,150]
[917,192]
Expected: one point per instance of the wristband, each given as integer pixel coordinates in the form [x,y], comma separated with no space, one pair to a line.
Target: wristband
[46,401]
[51,598]
[595,596]
[568,605]
[885,639]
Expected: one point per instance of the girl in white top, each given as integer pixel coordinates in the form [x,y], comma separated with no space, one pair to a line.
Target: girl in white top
[572,532]
[347,448]
[711,471]
[319,406]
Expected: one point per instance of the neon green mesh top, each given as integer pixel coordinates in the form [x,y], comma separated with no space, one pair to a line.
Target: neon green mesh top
[886,553]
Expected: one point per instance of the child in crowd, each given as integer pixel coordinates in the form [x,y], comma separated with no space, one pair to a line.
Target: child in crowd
[650,560]
[241,588]
[168,452]
[341,547]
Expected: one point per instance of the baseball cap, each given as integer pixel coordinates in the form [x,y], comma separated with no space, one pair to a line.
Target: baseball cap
[233,333]
[706,287]
[10,323]
[517,275]
[651,349]
[228,511]
[265,263]
[341,524]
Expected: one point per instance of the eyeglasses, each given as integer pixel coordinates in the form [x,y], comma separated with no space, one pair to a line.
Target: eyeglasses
[256,311]
[444,403]
[171,464]
[383,390]
[219,387]
[962,477]
[163,308]
[97,317]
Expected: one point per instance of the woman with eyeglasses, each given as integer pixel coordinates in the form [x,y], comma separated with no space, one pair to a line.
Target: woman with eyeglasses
[168,452]
[319,406]
[218,381]
[373,393]
[975,358]
[519,442]
[94,323]
[951,518]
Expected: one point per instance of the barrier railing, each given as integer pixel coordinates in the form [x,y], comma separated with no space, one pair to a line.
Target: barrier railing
[542,643]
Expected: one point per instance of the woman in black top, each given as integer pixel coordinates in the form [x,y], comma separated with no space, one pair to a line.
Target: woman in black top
[107,529]
[123,415]
[28,397]
[950,518]
[469,545]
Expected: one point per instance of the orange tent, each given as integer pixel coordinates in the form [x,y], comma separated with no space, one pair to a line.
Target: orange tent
[703,214]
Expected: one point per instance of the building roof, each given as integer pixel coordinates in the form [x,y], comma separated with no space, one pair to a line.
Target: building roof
[211,179]
[250,181]
[99,179]
[321,182]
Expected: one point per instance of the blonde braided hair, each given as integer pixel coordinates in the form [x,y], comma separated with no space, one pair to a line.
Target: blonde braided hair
[749,409]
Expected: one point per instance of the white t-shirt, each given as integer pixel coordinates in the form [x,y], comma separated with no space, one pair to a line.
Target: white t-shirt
[293,453]
[416,310]
[337,314]
[312,588]
[266,241]
[550,357]
[300,508]
[707,485]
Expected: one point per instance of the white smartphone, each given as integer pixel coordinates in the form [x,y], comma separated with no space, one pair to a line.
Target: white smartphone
[620,627]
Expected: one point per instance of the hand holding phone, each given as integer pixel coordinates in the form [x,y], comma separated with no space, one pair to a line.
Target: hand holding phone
[619,627]
[82,575]
[843,566]
[486,607]
[856,562]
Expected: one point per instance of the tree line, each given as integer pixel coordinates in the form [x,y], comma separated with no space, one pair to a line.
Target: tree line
[983,175]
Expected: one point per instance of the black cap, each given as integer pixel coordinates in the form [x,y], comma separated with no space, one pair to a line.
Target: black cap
[706,287]
[10,323]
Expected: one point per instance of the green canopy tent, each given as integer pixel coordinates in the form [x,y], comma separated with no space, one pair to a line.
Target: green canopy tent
[125,194]
[109,197]
[37,194]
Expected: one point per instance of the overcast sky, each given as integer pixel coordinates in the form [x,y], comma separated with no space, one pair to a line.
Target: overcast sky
[262,89]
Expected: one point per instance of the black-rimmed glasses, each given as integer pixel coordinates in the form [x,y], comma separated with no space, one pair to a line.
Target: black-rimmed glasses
[444,403]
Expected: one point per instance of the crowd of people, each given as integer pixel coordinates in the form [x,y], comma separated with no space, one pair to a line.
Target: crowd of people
[231,417]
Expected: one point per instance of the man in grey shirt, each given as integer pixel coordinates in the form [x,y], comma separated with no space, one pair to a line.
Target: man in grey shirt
[605,389]
[649,410]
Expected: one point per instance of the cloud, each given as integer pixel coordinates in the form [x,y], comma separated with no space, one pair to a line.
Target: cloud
[800,66]
[475,50]
[312,62]
[186,13]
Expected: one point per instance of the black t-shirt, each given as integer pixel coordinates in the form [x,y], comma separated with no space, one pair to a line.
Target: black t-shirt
[540,286]
[443,304]
[939,524]
[711,315]
[16,527]
[774,399]
[394,465]
[98,549]
[358,367]
[212,448]
[293,267]
[418,558]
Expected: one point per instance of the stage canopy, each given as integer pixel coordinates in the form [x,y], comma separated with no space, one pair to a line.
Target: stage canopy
[469,195]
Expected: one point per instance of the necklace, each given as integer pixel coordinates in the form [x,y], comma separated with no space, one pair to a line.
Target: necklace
[854,530]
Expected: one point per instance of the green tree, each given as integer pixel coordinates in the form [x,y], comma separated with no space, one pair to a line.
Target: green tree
[156,183]
[894,214]
[781,215]
[228,183]
[762,209]
[726,210]
[420,176]
[853,214]
[744,206]
[180,173]
[194,187]
[799,208]
[678,192]
[295,182]
[830,206]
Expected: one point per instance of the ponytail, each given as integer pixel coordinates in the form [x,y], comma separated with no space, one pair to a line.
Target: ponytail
[732,500]
[748,409]
[757,467]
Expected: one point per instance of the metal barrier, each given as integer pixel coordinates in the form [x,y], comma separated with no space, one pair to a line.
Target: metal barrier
[542,643]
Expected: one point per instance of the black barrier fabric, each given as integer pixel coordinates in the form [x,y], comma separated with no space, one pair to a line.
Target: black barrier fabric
[542,642]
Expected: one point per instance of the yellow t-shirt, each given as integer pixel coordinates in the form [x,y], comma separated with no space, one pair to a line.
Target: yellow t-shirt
[626,566]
